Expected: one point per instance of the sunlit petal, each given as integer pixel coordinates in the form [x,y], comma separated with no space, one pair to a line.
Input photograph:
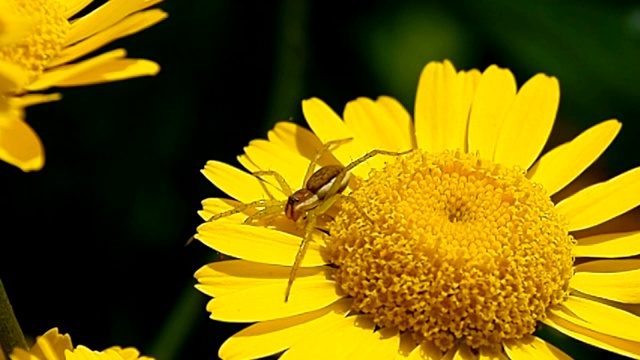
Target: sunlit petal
[601,202]
[528,122]
[223,277]
[494,95]
[273,336]
[609,245]
[617,286]
[586,334]
[563,164]
[344,337]
[532,347]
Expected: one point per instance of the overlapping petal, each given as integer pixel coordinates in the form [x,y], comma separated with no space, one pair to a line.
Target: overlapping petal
[307,295]
[327,125]
[532,347]
[616,245]
[257,244]
[273,336]
[345,337]
[563,164]
[586,334]
[220,278]
[494,95]
[380,124]
[601,202]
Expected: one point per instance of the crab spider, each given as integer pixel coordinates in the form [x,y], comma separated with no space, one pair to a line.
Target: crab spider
[322,188]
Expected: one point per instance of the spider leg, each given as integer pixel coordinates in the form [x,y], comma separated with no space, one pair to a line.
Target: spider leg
[345,171]
[326,147]
[265,203]
[310,226]
[267,211]
[284,186]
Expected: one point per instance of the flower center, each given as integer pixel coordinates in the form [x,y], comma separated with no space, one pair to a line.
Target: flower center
[460,249]
[44,41]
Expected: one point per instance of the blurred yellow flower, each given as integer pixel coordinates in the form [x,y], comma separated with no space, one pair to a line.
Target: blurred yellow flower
[55,346]
[463,253]
[39,42]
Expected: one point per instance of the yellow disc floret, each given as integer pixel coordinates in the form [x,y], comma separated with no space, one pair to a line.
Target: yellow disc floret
[44,41]
[458,249]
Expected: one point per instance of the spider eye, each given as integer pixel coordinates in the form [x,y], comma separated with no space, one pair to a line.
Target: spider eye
[292,200]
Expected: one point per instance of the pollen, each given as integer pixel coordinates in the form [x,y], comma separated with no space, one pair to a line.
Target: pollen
[456,249]
[44,41]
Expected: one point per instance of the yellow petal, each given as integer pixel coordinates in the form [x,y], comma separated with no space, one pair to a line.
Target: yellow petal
[116,70]
[273,336]
[34,99]
[382,344]
[12,77]
[591,337]
[599,317]
[53,77]
[528,122]
[406,346]
[532,347]
[238,184]
[268,156]
[494,95]
[19,144]
[491,354]
[267,302]
[617,286]
[130,25]
[50,346]
[257,244]
[328,126]
[299,140]
[104,17]
[464,353]
[601,202]
[374,124]
[75,6]
[223,277]
[563,164]
[247,163]
[338,343]
[609,245]
[426,350]
[406,138]
[434,107]
[609,266]
[458,130]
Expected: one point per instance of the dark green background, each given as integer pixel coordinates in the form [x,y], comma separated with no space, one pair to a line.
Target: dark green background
[93,243]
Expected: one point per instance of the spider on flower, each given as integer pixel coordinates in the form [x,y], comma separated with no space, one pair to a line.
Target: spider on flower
[322,188]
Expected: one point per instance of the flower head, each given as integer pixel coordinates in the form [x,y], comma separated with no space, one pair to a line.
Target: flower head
[55,346]
[454,248]
[40,43]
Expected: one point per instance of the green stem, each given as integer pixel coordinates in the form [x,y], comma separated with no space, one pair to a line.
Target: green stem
[10,333]
[288,74]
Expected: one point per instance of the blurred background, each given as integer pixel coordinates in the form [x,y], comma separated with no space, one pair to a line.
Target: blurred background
[94,243]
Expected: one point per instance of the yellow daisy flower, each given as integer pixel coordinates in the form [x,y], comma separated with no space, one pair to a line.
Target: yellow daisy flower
[55,346]
[40,43]
[461,253]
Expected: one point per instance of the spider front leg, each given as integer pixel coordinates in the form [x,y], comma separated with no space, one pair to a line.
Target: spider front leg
[262,203]
[284,186]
